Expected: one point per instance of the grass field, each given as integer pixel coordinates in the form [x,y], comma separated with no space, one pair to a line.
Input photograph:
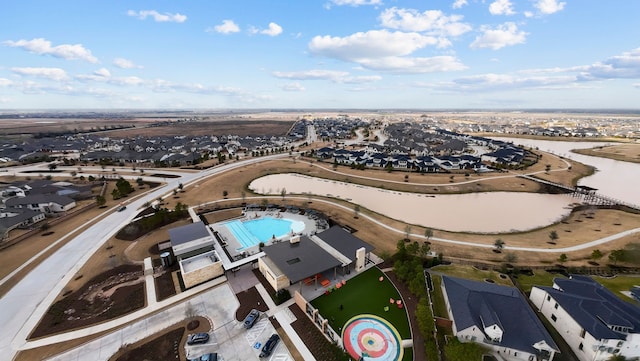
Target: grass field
[472,273]
[364,294]
[539,278]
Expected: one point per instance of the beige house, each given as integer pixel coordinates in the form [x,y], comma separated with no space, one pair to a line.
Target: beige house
[192,245]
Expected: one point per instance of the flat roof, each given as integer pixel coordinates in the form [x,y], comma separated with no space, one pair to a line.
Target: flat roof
[344,242]
[188,233]
[300,260]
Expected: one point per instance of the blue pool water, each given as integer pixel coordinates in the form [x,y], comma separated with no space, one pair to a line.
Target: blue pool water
[251,233]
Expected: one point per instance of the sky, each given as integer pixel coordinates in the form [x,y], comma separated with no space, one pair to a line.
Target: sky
[333,54]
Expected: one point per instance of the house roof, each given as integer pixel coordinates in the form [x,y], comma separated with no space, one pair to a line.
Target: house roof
[300,260]
[344,242]
[39,199]
[187,233]
[594,307]
[473,302]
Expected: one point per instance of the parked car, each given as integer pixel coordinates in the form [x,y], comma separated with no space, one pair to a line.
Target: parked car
[251,318]
[121,208]
[209,357]
[271,344]
[197,338]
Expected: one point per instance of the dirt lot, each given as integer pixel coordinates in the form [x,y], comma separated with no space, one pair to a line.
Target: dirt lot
[622,152]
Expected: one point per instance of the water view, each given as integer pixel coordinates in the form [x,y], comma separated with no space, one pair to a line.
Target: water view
[493,212]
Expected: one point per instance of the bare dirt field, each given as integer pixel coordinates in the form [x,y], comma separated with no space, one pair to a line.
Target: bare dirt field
[622,152]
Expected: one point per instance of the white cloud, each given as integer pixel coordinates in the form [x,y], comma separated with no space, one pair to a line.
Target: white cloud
[503,35]
[273,30]
[292,87]
[528,14]
[42,46]
[501,7]
[548,7]
[370,44]
[125,64]
[161,18]
[386,51]
[315,74]
[354,2]
[5,82]
[625,66]
[430,21]
[55,74]
[330,75]
[103,72]
[414,65]
[458,4]
[636,85]
[227,27]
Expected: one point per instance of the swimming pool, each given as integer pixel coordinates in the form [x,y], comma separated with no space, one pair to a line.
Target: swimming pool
[250,233]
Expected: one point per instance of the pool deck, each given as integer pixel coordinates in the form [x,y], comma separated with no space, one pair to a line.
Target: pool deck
[235,248]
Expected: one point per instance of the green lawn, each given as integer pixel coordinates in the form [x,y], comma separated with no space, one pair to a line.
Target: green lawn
[439,307]
[539,278]
[472,273]
[363,294]
[618,284]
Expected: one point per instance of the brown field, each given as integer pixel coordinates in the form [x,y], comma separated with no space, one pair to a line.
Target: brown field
[623,152]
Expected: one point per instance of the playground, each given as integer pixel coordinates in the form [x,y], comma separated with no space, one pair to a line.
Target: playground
[369,314]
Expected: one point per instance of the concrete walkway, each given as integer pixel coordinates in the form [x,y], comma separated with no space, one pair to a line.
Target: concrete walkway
[285,318]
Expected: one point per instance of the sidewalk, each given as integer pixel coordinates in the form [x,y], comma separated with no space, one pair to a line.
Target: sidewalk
[285,318]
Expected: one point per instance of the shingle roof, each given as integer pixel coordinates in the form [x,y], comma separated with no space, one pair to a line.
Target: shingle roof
[300,260]
[472,302]
[187,233]
[594,307]
[344,242]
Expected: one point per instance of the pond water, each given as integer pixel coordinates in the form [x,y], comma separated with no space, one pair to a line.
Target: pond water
[493,212]
[613,178]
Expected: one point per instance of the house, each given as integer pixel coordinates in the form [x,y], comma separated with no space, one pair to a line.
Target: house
[12,218]
[594,322]
[48,204]
[192,245]
[354,251]
[497,317]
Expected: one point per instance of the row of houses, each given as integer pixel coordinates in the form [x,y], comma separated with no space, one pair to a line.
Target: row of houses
[595,323]
[430,164]
[26,203]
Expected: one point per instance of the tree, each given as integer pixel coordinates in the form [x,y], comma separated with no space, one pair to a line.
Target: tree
[413,248]
[356,211]
[553,236]
[100,200]
[425,248]
[407,232]
[616,255]
[596,254]
[428,233]
[52,166]
[283,193]
[225,194]
[547,168]
[563,258]
[180,187]
[498,245]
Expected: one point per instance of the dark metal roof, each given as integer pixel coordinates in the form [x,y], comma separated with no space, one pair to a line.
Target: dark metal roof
[188,233]
[344,242]
[472,302]
[594,307]
[300,260]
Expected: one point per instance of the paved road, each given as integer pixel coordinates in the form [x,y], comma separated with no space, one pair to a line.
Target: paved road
[24,305]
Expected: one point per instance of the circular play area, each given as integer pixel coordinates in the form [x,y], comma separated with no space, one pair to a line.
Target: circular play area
[370,337]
